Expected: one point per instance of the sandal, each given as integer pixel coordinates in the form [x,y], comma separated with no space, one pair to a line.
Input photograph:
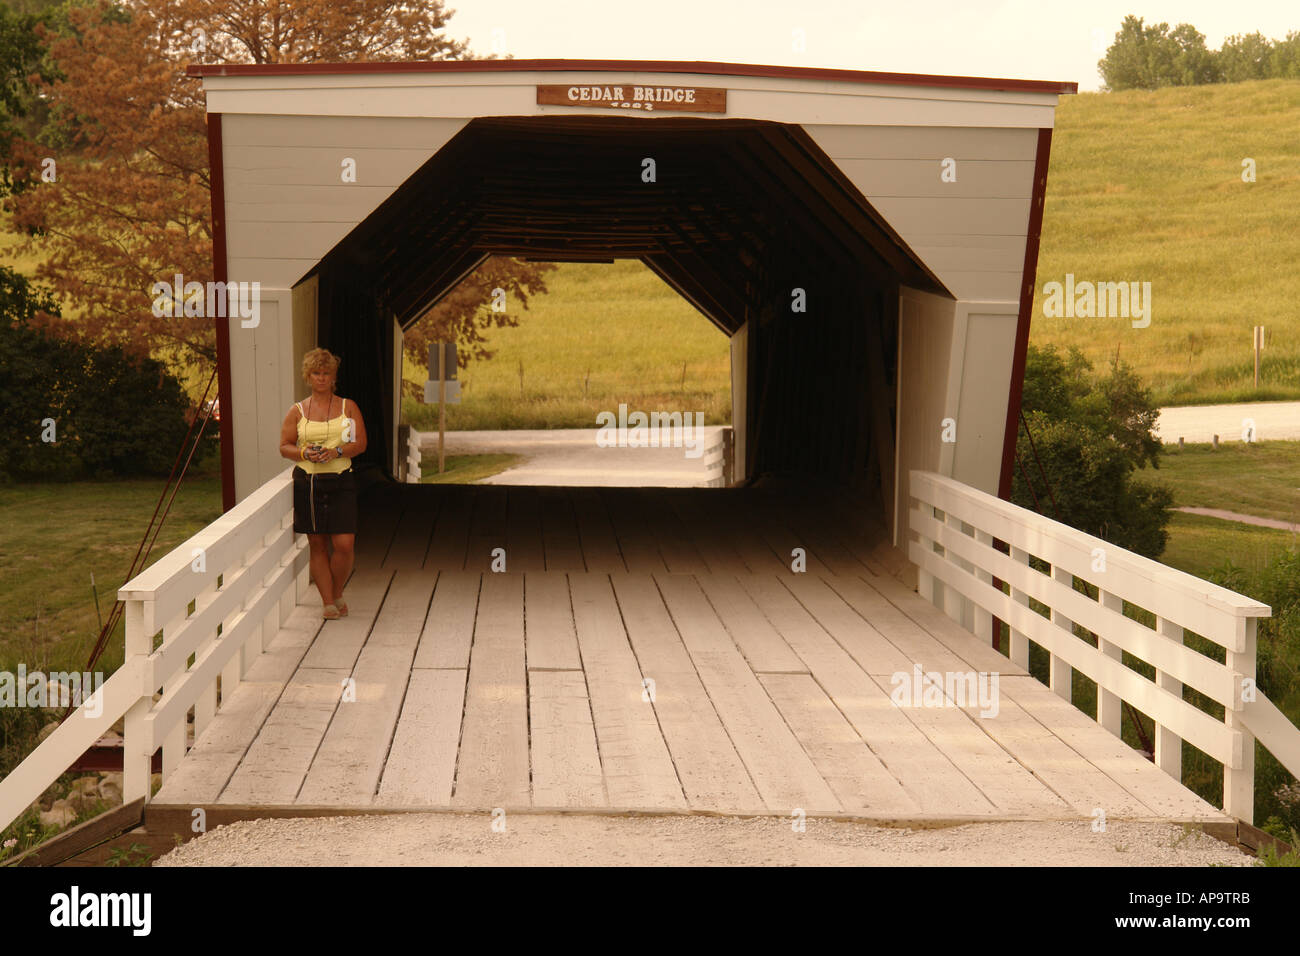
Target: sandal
[330,613]
[343,608]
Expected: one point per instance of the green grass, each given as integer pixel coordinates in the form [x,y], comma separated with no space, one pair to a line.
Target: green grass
[604,334]
[1198,544]
[464,469]
[1147,186]
[53,536]
[1260,479]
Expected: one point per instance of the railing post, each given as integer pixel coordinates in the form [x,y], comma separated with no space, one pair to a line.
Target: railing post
[1239,782]
[1109,706]
[1169,746]
[728,456]
[1060,675]
[174,738]
[137,760]
[983,623]
[1019,640]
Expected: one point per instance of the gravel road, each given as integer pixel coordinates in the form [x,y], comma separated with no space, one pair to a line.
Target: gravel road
[443,839]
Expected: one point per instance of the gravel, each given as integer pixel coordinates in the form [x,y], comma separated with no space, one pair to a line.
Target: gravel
[548,839]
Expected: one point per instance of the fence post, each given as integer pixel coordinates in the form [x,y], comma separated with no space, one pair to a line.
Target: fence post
[1239,782]
[137,762]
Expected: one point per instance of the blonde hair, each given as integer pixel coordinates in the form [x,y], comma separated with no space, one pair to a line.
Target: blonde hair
[318,359]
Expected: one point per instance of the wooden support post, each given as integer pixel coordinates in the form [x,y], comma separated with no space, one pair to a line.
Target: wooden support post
[1109,705]
[1169,746]
[1019,640]
[983,622]
[137,758]
[1239,782]
[442,403]
[1060,674]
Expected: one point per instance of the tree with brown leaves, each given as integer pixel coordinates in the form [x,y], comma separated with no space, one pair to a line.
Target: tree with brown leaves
[125,202]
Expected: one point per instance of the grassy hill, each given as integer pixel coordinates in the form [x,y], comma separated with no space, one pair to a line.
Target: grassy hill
[1147,186]
[604,334]
[1143,186]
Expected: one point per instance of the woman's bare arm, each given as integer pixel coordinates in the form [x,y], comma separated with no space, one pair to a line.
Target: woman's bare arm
[289,436]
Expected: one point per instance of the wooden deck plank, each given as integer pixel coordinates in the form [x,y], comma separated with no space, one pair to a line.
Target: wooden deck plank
[1076,781]
[350,759]
[945,630]
[860,781]
[277,762]
[699,516]
[740,525]
[380,512]
[712,775]
[764,648]
[421,767]
[635,760]
[912,639]
[923,770]
[449,543]
[492,764]
[636,541]
[561,540]
[524,547]
[599,543]
[550,640]
[449,626]
[340,641]
[411,542]
[1141,779]
[487,529]
[874,654]
[783,773]
[565,760]
[678,552]
[216,755]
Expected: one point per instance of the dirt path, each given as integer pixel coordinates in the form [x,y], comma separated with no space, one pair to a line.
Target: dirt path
[1244,519]
[440,839]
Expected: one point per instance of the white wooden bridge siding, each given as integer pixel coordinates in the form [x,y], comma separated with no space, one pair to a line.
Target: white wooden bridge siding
[531,688]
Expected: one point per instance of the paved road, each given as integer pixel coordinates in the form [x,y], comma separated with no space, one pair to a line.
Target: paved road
[1199,423]
[570,456]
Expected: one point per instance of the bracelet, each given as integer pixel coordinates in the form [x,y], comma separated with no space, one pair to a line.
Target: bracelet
[302,453]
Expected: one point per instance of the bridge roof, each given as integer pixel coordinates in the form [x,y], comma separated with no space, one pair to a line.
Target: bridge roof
[704,67]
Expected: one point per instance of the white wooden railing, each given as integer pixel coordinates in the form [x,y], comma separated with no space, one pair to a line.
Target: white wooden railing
[411,473]
[242,574]
[955,541]
[719,459]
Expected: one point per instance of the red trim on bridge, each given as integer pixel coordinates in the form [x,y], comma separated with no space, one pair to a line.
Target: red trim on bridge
[623,66]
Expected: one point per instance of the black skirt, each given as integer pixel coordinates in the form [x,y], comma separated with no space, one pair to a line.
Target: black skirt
[324,504]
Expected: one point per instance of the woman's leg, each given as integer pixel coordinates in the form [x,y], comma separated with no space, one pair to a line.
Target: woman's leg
[320,567]
[340,562]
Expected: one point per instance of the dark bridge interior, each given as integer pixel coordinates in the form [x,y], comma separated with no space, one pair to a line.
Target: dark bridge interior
[738,217]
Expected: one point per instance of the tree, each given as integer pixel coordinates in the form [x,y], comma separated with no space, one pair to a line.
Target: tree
[1091,436]
[72,409]
[1149,57]
[131,204]
[1247,57]
[467,310]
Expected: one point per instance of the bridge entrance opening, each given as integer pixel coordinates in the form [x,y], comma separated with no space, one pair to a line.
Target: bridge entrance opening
[748,220]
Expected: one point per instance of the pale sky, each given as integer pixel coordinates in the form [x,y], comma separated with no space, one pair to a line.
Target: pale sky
[1021,39]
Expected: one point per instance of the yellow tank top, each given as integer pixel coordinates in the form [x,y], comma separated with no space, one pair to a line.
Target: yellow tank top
[328,434]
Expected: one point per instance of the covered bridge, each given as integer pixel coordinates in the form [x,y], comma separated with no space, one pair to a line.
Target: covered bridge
[868,242]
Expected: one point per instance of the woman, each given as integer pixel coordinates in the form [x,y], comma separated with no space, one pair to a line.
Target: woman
[322,434]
